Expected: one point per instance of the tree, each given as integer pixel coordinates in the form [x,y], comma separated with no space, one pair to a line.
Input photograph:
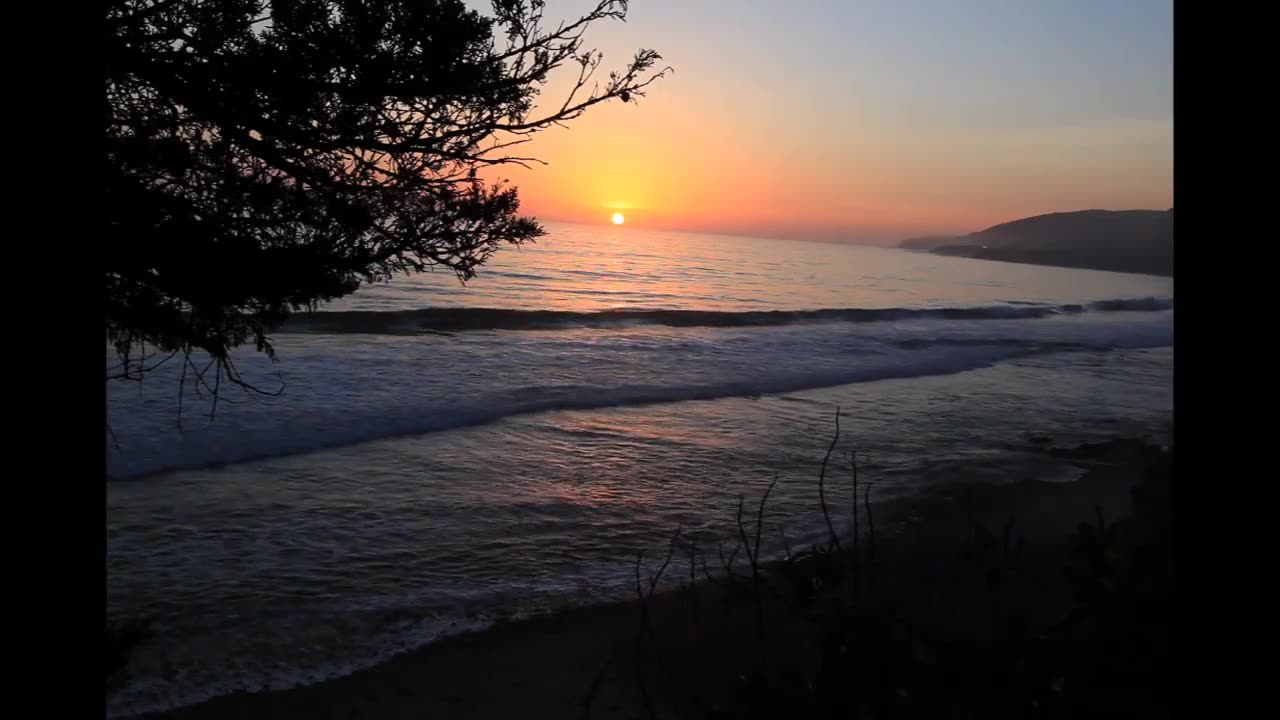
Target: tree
[265,156]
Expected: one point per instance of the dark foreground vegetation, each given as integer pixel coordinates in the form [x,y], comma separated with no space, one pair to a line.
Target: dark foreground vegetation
[1043,600]
[997,626]
[264,158]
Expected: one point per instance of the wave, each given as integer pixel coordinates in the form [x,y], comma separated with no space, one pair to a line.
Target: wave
[1150,304]
[444,319]
[305,435]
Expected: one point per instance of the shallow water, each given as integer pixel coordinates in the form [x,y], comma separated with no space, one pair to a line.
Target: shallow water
[411,482]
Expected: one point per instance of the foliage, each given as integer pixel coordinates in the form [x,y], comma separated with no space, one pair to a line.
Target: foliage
[998,634]
[264,156]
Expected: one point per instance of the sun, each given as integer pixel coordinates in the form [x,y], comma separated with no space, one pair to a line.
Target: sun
[618,219]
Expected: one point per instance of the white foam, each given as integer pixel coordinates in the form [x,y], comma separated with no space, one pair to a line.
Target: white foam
[340,393]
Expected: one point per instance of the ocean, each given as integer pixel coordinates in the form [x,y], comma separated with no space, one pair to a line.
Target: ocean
[444,456]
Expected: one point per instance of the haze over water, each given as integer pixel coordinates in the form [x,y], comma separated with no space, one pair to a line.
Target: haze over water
[429,469]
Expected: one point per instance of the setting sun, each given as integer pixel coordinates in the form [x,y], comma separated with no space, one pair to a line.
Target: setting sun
[618,219]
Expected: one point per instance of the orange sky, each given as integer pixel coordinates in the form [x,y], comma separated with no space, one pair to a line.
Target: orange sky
[861,143]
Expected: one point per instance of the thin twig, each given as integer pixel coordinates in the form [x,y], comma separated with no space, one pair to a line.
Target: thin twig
[693,580]
[760,518]
[822,483]
[754,556]
[705,572]
[854,559]
[871,533]
[596,682]
[727,566]
[646,598]
[786,546]
[182,386]
[217,383]
[671,549]
[639,587]
[640,638]
[871,524]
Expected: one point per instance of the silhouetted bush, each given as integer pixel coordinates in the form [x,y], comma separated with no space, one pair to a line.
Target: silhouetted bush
[836,631]
[265,157]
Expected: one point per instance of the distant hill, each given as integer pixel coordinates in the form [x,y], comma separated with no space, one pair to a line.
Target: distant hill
[929,242]
[1134,241]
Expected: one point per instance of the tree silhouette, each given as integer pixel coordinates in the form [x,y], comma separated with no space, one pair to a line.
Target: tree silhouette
[264,156]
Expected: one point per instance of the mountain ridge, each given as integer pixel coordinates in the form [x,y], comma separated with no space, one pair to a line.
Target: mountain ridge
[1131,241]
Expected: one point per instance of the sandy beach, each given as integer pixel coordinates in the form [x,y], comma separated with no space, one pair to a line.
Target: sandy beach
[548,667]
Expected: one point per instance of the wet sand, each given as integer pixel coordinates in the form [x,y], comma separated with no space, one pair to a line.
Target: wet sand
[548,667]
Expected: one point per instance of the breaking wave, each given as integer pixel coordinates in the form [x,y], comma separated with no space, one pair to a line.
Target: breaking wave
[448,320]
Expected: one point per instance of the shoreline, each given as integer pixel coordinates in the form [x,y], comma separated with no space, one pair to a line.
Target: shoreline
[969,252]
[546,664]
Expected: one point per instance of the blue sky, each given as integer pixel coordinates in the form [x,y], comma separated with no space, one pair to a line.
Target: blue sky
[897,114]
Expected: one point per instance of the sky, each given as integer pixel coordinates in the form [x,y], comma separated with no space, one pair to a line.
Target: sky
[867,120]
